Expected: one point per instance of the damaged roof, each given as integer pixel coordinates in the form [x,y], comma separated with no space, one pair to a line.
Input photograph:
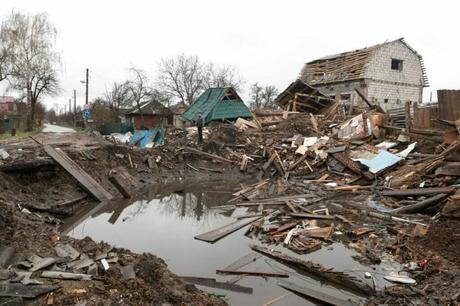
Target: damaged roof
[216,104]
[150,108]
[346,66]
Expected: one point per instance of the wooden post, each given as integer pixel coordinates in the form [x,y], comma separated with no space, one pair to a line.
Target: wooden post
[408,117]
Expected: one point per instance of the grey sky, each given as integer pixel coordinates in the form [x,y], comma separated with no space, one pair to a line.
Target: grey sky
[267,41]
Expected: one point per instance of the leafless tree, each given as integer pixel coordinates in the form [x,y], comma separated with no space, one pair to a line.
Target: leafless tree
[4,62]
[182,77]
[185,77]
[29,40]
[119,95]
[269,95]
[138,89]
[223,76]
[255,93]
[263,96]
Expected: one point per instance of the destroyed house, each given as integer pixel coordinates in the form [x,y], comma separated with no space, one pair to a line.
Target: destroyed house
[388,74]
[155,114]
[222,103]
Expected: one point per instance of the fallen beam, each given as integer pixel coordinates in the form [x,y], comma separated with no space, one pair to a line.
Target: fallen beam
[314,294]
[27,166]
[65,275]
[214,235]
[253,273]
[85,180]
[211,282]
[408,209]
[417,191]
[328,274]
[243,261]
[312,216]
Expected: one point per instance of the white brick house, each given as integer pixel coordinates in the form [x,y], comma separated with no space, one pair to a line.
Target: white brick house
[389,74]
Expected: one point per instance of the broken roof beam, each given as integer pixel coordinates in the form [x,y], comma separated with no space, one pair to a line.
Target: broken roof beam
[417,191]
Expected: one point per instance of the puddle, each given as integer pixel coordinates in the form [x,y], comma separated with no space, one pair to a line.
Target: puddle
[165,223]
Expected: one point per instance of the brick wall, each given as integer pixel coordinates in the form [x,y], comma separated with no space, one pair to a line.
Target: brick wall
[394,95]
[379,67]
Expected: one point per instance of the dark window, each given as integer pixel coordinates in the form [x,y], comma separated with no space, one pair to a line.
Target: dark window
[385,100]
[345,97]
[396,64]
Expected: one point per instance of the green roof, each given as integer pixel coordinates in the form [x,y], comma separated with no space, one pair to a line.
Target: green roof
[216,104]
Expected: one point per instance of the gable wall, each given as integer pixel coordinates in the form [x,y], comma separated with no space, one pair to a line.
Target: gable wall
[379,67]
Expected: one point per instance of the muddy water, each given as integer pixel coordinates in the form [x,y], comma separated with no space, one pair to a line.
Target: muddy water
[164,223]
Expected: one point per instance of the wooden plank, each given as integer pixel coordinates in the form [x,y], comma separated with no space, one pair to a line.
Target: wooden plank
[86,181]
[434,200]
[417,191]
[314,294]
[211,282]
[253,273]
[312,216]
[243,261]
[335,277]
[221,232]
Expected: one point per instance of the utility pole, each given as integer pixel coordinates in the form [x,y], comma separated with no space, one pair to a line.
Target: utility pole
[74,107]
[86,83]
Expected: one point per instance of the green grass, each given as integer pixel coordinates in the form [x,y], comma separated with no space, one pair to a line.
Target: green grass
[18,135]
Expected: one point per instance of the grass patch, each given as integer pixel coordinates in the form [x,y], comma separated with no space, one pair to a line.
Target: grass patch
[7,135]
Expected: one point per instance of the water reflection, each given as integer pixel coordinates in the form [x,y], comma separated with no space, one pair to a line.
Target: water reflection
[164,221]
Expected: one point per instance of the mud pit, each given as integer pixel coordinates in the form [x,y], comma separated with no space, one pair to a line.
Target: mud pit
[166,224]
[176,199]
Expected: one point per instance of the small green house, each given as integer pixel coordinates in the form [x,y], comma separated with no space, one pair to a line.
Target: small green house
[222,103]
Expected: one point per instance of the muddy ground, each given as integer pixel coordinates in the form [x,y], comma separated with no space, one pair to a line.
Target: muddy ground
[29,222]
[30,217]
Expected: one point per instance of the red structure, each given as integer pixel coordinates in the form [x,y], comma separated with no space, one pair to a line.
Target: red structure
[155,114]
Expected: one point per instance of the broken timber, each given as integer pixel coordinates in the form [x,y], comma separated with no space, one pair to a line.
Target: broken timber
[314,294]
[253,273]
[312,216]
[78,173]
[417,191]
[211,282]
[434,200]
[223,231]
[318,270]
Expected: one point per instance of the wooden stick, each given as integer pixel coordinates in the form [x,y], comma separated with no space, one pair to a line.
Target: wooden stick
[253,273]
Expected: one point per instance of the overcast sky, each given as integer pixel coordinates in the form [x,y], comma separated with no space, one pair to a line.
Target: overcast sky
[267,41]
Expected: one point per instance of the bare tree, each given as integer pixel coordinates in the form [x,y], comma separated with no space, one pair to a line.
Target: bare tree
[269,95]
[255,93]
[185,77]
[139,89]
[224,76]
[263,96]
[182,76]
[4,62]
[119,95]
[29,40]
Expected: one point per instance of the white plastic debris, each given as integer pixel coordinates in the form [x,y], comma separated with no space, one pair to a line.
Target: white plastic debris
[399,278]
[105,264]
[4,154]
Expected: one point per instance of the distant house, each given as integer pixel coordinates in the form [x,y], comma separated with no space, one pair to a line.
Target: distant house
[178,109]
[222,103]
[389,74]
[7,104]
[155,114]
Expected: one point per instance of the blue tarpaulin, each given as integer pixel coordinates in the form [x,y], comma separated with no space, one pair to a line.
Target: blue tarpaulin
[148,138]
[381,161]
